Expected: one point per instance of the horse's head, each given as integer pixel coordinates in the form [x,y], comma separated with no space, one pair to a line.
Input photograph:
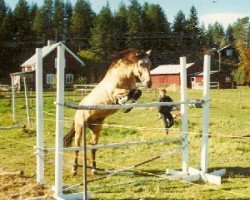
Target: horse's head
[142,68]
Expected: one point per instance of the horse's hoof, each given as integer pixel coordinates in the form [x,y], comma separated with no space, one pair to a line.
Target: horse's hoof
[127,110]
[93,172]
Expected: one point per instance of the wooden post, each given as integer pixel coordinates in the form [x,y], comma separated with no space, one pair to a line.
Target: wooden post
[85,188]
[26,102]
[13,99]
[184,115]
[39,117]
[59,122]
[205,114]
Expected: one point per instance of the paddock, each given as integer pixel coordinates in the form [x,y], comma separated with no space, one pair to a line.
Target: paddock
[216,154]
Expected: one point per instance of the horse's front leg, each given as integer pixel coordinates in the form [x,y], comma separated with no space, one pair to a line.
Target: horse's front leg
[95,129]
[133,95]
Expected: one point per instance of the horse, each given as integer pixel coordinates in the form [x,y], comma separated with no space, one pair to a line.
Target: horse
[117,87]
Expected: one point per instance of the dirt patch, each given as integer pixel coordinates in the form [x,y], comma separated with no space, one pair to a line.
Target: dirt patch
[18,187]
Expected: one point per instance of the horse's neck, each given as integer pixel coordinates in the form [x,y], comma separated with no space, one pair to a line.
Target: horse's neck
[121,76]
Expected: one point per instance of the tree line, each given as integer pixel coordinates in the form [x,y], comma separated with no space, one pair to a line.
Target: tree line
[94,36]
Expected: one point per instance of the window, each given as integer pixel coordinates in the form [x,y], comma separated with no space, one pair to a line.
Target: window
[69,79]
[228,79]
[229,52]
[50,78]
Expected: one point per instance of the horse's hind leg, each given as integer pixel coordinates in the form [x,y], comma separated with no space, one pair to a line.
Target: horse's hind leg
[94,140]
[78,138]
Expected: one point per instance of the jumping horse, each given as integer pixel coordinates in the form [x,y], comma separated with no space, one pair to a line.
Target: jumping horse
[117,87]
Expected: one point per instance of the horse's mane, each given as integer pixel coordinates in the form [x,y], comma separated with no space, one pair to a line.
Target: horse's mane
[129,56]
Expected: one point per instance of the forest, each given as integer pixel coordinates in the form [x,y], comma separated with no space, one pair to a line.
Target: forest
[95,36]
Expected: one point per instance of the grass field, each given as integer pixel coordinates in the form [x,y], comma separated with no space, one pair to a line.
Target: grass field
[229,148]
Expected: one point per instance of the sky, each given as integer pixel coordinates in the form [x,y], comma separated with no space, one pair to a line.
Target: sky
[209,11]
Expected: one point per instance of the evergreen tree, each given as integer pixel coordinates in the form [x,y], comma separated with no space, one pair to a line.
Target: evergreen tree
[229,34]
[48,13]
[121,27]
[134,20]
[68,10]
[156,27]
[102,32]
[82,22]
[3,10]
[193,30]
[22,21]
[180,34]
[58,19]
[215,34]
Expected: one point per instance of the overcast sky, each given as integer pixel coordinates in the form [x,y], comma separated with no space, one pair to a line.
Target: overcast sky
[209,11]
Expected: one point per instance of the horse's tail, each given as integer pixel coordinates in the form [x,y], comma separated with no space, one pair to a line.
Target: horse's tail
[68,138]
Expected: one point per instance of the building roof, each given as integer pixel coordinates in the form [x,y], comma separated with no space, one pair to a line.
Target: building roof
[46,50]
[211,72]
[168,69]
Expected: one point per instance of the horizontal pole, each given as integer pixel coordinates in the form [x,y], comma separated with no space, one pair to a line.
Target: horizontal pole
[112,145]
[126,106]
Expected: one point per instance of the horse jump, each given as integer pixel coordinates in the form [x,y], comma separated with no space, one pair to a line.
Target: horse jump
[186,171]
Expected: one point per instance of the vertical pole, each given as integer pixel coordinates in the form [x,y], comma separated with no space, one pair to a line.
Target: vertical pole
[184,115]
[13,99]
[59,121]
[39,117]
[26,101]
[85,195]
[205,114]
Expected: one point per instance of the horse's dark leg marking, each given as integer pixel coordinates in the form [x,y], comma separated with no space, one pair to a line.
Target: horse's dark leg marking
[133,95]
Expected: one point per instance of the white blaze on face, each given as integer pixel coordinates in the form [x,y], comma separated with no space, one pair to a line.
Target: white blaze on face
[144,71]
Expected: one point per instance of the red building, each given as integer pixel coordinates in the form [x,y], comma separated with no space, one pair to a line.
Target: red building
[49,54]
[165,75]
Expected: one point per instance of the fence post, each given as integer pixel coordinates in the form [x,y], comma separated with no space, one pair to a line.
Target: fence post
[26,102]
[39,117]
[59,121]
[13,99]
[205,114]
[184,115]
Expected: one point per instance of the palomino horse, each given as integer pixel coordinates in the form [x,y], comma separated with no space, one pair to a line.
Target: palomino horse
[117,87]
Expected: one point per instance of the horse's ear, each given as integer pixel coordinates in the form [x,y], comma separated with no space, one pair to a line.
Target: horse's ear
[148,52]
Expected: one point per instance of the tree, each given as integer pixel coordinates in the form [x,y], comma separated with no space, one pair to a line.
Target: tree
[121,27]
[156,27]
[3,10]
[229,34]
[22,20]
[82,22]
[48,13]
[134,20]
[102,36]
[180,34]
[215,34]
[193,30]
[58,19]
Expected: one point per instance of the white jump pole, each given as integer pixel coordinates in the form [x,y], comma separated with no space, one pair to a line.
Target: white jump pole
[59,122]
[26,101]
[39,117]
[205,114]
[184,115]
[13,99]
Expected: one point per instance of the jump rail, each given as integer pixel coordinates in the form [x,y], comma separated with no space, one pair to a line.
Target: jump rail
[125,106]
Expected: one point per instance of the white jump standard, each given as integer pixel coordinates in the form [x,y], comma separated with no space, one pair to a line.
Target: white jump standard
[191,174]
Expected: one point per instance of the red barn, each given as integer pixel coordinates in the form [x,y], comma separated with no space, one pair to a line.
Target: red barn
[164,75]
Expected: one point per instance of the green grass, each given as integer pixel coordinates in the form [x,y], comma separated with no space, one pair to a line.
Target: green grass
[229,117]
